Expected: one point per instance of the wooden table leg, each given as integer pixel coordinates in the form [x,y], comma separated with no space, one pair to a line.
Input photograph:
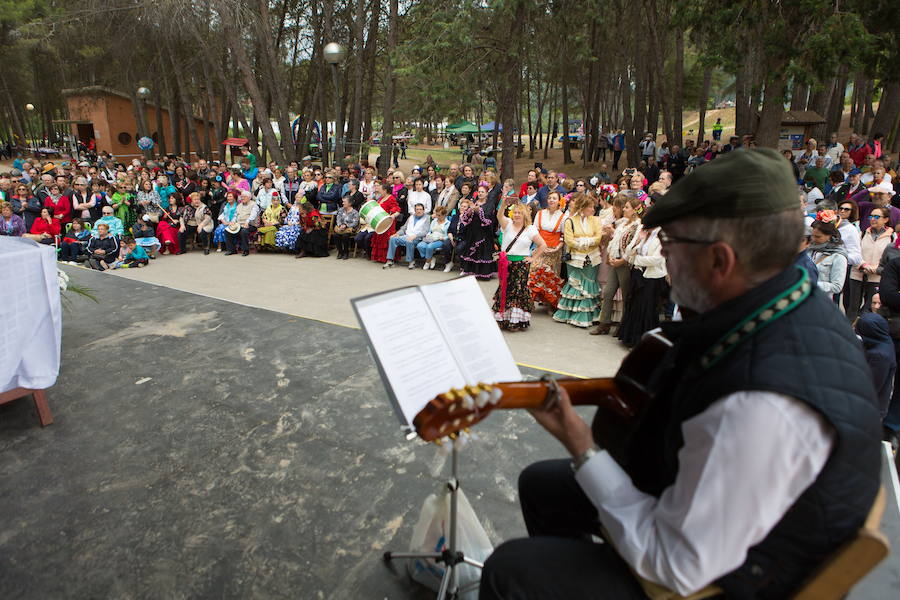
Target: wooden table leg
[43,409]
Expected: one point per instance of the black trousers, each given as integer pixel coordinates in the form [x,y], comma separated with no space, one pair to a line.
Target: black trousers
[559,560]
[239,241]
[189,232]
[617,154]
[342,242]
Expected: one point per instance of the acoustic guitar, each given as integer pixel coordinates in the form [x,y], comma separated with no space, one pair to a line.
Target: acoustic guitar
[620,399]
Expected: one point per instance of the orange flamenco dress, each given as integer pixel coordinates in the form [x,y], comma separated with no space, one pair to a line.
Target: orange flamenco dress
[544,281]
[380,241]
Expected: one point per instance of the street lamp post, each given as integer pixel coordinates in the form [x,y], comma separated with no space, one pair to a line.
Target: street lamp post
[142,94]
[334,55]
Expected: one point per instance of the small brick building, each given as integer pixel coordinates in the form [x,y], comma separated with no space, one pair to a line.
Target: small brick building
[107,116]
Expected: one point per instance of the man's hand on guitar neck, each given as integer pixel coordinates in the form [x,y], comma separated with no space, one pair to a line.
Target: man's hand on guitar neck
[561,420]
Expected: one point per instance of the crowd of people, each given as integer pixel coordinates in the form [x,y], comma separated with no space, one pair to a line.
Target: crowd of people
[573,247]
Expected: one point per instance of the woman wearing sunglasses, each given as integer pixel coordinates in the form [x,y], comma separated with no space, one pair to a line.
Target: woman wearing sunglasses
[865,277]
[848,211]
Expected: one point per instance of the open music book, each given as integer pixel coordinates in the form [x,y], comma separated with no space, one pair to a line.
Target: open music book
[428,339]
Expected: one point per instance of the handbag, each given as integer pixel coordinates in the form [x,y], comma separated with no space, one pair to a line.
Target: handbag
[568,255]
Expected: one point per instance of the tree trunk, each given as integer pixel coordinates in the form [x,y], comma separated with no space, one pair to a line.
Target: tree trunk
[799,96]
[888,111]
[390,89]
[770,116]
[704,100]
[857,113]
[371,42]
[835,110]
[639,117]
[160,128]
[678,93]
[566,146]
[551,107]
[528,112]
[18,128]
[868,114]
[818,102]
[742,116]
[353,144]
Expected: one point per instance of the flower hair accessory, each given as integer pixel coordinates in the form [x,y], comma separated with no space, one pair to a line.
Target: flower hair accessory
[826,216]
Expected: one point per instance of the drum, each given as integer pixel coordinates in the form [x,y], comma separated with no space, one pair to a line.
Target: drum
[377,218]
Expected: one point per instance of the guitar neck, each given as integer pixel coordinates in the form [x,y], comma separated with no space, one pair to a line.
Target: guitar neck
[533,394]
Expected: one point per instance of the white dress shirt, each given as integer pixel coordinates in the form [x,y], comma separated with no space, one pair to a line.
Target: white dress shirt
[745,460]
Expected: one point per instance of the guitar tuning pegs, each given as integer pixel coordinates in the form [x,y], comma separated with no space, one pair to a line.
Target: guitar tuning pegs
[461,441]
[483,397]
[468,402]
[496,394]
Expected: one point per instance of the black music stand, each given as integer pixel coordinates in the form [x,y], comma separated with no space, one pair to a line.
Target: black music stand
[451,556]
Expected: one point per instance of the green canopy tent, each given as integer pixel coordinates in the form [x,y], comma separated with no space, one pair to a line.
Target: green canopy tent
[462,127]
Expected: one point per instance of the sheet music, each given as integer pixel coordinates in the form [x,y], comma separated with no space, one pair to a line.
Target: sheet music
[471,331]
[415,360]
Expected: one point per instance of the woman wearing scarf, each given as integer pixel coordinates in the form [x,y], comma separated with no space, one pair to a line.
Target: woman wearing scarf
[579,303]
[478,238]
[828,252]
[272,219]
[512,301]
[544,281]
[379,241]
[648,286]
[227,216]
[59,205]
[627,209]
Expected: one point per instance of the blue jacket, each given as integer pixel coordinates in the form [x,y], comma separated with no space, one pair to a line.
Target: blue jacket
[873,329]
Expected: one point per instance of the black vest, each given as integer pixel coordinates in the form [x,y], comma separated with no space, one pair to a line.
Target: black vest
[810,353]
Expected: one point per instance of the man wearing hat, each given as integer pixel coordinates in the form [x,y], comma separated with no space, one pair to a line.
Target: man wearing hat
[755,458]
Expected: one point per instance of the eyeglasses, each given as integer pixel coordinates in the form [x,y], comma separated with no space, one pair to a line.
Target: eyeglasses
[875,217]
[846,208]
[666,238]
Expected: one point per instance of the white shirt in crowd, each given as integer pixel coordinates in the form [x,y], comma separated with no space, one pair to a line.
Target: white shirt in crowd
[868,178]
[413,197]
[522,245]
[745,460]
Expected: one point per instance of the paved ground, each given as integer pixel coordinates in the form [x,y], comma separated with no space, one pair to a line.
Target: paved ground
[204,449]
[321,288]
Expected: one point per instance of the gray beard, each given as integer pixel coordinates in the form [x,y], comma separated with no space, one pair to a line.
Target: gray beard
[687,293]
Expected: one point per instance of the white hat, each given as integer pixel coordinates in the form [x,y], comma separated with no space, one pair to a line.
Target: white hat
[235,166]
[882,188]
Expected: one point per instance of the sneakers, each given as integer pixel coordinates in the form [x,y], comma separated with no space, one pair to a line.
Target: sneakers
[427,265]
[389,264]
[217,250]
[412,265]
[448,267]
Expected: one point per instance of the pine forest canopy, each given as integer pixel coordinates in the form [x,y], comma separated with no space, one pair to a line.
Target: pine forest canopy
[525,64]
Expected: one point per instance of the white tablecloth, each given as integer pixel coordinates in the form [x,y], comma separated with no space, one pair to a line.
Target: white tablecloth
[30,315]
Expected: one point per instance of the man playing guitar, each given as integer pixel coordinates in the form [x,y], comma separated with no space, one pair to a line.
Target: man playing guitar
[759,453]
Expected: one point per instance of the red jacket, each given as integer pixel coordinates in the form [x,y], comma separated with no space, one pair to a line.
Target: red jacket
[41,226]
[523,190]
[62,208]
[858,154]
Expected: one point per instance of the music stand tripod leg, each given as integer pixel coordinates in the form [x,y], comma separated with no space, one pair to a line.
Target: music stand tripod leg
[451,557]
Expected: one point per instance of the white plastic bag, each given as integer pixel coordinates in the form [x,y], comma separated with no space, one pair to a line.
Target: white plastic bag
[432,534]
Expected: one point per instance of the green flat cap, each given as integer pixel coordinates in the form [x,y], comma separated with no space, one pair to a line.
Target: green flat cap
[742,183]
